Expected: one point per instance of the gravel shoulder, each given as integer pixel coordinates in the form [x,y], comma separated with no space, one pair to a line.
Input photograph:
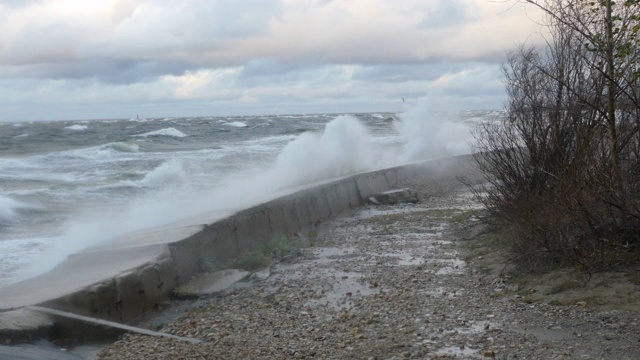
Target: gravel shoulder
[395,282]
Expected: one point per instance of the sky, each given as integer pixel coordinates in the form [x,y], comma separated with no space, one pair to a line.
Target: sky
[106,59]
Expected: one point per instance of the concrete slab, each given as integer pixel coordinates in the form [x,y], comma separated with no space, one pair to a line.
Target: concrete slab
[77,272]
[69,323]
[23,325]
[209,283]
[38,351]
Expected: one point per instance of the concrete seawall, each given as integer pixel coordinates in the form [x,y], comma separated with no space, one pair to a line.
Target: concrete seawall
[129,293]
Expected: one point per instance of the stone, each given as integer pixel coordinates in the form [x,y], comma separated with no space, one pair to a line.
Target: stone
[398,196]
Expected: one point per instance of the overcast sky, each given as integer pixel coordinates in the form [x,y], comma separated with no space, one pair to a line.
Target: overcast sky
[102,59]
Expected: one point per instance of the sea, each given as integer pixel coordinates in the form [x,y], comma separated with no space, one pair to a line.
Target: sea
[69,185]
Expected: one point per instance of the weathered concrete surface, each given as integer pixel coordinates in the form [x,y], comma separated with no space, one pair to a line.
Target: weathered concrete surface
[97,328]
[23,325]
[41,350]
[209,283]
[124,279]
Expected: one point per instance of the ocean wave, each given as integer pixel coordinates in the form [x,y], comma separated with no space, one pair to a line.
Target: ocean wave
[171,132]
[169,174]
[238,124]
[76,127]
[9,208]
[124,146]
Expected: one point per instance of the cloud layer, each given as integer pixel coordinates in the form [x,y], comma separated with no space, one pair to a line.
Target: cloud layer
[64,59]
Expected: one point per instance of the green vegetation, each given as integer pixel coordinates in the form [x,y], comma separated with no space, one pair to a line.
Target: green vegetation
[277,248]
[461,217]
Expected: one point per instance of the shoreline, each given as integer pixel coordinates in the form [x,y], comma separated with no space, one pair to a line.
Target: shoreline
[388,282]
[392,281]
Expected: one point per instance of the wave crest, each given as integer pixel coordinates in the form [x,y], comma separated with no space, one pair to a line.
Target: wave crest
[171,132]
[76,127]
[124,146]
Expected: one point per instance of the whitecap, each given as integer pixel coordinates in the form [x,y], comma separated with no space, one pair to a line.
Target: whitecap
[124,146]
[9,207]
[172,132]
[76,127]
[169,174]
[238,124]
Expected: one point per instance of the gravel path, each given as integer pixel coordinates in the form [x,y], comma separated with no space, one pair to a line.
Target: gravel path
[386,282]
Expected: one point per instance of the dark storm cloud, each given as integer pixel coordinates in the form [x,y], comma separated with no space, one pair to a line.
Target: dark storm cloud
[264,71]
[406,72]
[106,71]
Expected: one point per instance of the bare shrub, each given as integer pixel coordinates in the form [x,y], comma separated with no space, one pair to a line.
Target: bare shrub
[562,168]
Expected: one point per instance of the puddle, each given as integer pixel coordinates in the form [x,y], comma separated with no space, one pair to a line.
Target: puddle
[334,279]
[476,328]
[441,291]
[345,287]
[409,260]
[458,352]
[545,334]
[451,266]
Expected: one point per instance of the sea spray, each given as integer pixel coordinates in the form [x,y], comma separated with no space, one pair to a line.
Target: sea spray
[98,225]
[342,148]
[173,190]
[8,208]
[426,136]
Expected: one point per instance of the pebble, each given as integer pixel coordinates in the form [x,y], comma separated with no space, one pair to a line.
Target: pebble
[408,294]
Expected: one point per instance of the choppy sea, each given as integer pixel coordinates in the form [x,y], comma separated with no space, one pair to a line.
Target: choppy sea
[67,185]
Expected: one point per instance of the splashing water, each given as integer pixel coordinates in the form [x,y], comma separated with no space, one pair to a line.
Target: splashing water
[345,146]
[428,137]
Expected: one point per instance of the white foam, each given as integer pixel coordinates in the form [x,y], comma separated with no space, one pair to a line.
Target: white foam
[344,147]
[238,124]
[76,127]
[171,132]
[124,146]
[9,208]
[427,137]
[170,174]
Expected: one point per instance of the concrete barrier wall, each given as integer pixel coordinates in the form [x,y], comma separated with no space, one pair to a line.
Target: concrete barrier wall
[132,293]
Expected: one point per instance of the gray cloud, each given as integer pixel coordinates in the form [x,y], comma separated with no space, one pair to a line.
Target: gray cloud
[229,55]
[109,71]
[407,72]
[450,13]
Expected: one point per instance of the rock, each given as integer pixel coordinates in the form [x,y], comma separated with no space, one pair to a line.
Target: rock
[260,275]
[489,353]
[397,196]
